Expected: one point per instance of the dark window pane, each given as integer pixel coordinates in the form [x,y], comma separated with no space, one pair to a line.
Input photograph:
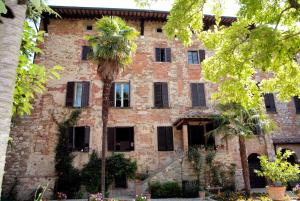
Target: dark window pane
[79,138]
[193,57]
[297,104]
[162,54]
[121,181]
[126,103]
[124,139]
[270,102]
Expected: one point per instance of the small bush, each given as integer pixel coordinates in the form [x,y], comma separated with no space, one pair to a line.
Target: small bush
[165,190]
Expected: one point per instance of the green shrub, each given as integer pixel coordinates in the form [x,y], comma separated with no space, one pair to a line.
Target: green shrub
[165,190]
[279,171]
[91,174]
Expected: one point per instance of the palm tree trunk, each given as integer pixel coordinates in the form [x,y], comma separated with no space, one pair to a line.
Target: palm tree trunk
[105,107]
[244,162]
[10,41]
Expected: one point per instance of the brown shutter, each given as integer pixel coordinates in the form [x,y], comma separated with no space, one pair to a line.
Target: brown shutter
[168,55]
[85,94]
[131,137]
[112,95]
[111,138]
[194,94]
[86,138]
[158,94]
[270,102]
[70,131]
[165,94]
[201,55]
[70,94]
[201,94]
[161,138]
[85,52]
[169,139]
[297,104]
[129,93]
[157,54]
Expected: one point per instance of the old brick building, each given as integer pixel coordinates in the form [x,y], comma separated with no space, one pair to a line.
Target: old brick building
[160,105]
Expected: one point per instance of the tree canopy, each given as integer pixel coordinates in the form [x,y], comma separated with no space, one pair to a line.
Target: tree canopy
[253,56]
[113,46]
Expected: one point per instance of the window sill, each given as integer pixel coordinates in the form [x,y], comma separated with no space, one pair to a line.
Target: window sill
[161,108]
[194,65]
[71,107]
[121,151]
[199,107]
[165,150]
[162,62]
[271,112]
[122,108]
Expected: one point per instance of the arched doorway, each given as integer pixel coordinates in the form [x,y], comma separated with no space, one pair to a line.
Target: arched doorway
[254,164]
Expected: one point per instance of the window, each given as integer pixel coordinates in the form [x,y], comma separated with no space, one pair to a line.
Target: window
[163,54]
[121,181]
[270,102]
[78,94]
[89,27]
[197,135]
[297,104]
[85,52]
[193,57]
[165,138]
[79,138]
[120,95]
[198,95]
[161,99]
[159,30]
[201,55]
[120,139]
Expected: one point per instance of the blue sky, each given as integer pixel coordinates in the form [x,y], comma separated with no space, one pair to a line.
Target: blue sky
[230,6]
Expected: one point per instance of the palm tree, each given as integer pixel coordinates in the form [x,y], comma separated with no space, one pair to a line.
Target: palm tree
[112,48]
[236,121]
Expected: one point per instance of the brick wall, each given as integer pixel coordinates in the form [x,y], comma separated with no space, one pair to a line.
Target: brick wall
[32,160]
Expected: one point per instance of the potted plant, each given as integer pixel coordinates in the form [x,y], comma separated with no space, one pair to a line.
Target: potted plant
[279,171]
[201,192]
[296,190]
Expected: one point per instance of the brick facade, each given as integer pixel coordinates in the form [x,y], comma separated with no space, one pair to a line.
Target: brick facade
[31,161]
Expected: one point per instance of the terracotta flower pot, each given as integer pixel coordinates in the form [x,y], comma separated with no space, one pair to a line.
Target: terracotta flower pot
[201,194]
[276,192]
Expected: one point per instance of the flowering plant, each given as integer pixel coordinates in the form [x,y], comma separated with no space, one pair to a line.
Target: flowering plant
[140,198]
[96,197]
[61,196]
[296,189]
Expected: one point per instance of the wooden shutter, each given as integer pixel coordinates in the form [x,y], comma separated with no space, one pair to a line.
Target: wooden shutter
[161,138]
[169,139]
[297,104]
[85,94]
[195,98]
[165,94]
[111,135]
[70,94]
[70,133]
[86,138]
[112,95]
[131,137]
[157,54]
[85,52]
[270,102]
[201,55]
[158,94]
[129,93]
[201,94]
[168,55]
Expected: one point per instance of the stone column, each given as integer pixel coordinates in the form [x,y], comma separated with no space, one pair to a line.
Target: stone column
[185,138]
[10,40]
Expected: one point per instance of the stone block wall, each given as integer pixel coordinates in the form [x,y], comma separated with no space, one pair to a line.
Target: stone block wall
[31,161]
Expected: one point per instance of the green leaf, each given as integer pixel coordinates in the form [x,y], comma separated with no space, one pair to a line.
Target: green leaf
[2,7]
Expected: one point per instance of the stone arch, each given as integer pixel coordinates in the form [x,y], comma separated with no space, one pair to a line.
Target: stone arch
[254,164]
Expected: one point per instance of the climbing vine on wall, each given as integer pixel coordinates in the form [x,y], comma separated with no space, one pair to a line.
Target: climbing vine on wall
[68,176]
